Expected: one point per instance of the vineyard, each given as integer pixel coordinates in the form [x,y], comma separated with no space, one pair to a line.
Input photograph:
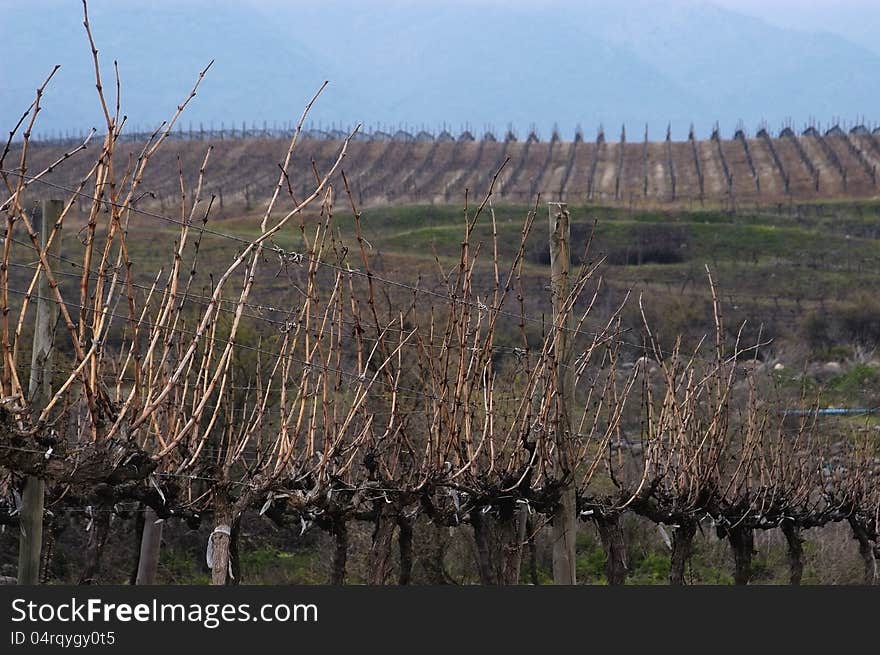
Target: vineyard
[402,168]
[220,359]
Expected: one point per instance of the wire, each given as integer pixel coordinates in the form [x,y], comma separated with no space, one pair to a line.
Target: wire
[643,349]
[353,376]
[449,298]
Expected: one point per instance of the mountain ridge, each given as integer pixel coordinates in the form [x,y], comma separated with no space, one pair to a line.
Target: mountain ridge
[422,64]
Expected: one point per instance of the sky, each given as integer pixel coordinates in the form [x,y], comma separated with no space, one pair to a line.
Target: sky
[855,20]
[476,64]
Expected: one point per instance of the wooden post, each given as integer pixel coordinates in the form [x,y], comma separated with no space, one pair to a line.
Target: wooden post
[39,394]
[220,539]
[565,516]
[151,541]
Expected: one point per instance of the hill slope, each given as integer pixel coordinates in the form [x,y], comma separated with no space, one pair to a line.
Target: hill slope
[631,172]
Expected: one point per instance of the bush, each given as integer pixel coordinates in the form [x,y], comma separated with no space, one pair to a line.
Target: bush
[652,244]
[817,331]
[653,568]
[860,320]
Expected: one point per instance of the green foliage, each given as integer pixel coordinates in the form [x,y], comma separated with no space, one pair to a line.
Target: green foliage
[269,565]
[545,576]
[860,320]
[590,566]
[762,568]
[182,567]
[652,568]
[709,573]
[857,380]
[259,565]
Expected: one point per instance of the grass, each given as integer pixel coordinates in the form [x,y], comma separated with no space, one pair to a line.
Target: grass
[711,237]
[179,566]
[260,565]
[861,379]
[269,565]
[773,270]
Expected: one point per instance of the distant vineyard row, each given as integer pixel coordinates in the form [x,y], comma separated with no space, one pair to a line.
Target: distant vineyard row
[404,168]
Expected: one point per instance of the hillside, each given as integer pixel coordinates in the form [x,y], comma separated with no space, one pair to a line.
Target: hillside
[625,171]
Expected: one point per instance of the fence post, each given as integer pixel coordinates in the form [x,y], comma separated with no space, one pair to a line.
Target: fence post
[151,543]
[565,515]
[39,394]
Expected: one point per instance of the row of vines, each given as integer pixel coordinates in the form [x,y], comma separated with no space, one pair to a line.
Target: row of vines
[359,398]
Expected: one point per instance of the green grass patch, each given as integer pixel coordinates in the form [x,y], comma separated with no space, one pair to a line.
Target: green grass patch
[860,379]
[269,565]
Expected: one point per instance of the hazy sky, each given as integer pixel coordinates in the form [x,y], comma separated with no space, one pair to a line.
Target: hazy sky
[774,7]
[473,63]
[845,17]
[857,20]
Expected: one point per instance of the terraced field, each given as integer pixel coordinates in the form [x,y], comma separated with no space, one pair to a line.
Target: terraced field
[400,169]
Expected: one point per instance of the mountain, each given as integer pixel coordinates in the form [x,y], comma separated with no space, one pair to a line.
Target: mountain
[742,67]
[258,73]
[476,64]
[484,65]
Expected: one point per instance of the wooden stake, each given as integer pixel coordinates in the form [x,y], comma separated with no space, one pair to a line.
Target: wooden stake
[151,542]
[565,516]
[39,394]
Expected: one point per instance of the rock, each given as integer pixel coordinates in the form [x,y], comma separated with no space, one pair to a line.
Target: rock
[832,368]
[824,372]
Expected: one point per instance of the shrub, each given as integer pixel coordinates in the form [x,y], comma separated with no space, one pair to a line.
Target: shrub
[860,320]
